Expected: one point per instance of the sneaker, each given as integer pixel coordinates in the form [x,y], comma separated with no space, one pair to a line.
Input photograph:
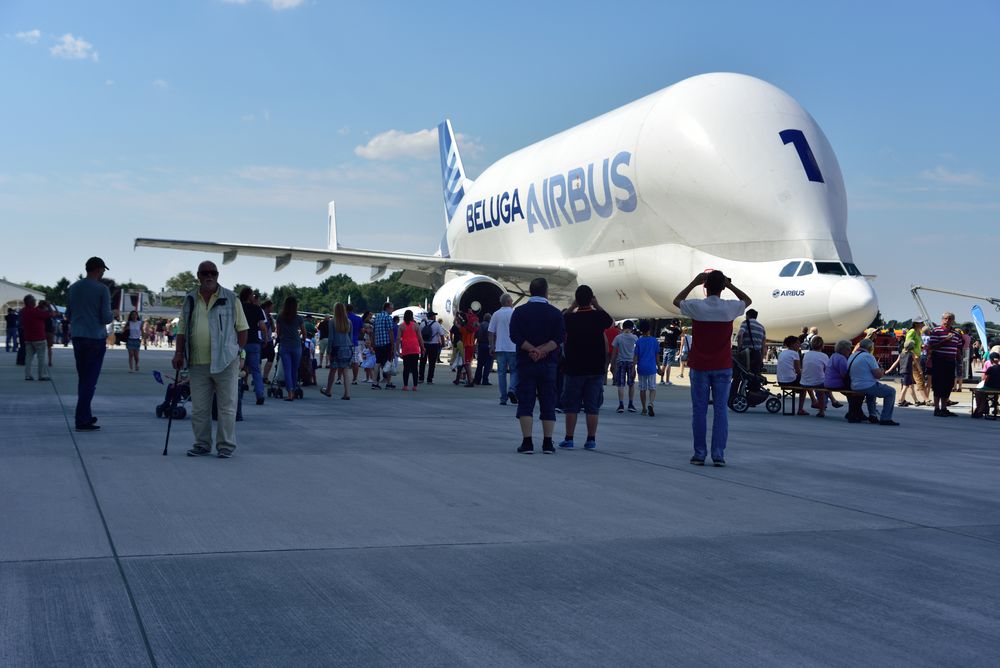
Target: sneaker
[719,462]
[260,401]
[632,408]
[87,427]
[559,410]
[873,419]
[590,444]
[503,402]
[650,410]
[525,449]
[663,382]
[889,423]
[512,398]
[390,386]
[429,382]
[566,443]
[643,411]
[547,447]
[29,377]
[668,383]
[697,462]
[376,386]
[487,383]
[198,451]
[621,408]
[225,453]
[406,388]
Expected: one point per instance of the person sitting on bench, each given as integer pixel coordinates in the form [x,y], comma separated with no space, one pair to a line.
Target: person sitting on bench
[991,381]
[790,369]
[814,364]
[865,372]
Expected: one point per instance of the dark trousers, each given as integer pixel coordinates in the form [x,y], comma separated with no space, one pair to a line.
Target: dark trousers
[410,368]
[89,356]
[12,340]
[429,360]
[484,364]
[536,380]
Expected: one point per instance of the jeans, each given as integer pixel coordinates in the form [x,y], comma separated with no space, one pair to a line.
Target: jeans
[89,356]
[718,382]
[429,360]
[291,358]
[888,395]
[506,363]
[12,340]
[253,366]
[484,364]
[39,349]
[537,379]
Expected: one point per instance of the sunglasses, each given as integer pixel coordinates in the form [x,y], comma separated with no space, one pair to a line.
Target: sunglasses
[208,273]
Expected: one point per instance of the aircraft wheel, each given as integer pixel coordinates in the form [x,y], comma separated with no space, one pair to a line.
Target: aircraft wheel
[773,405]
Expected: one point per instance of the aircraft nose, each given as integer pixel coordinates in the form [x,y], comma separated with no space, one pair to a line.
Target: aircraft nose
[853,305]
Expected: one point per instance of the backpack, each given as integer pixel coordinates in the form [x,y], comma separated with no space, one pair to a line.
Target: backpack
[427,332]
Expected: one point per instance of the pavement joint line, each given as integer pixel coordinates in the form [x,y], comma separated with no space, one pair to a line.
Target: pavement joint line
[800,497]
[107,531]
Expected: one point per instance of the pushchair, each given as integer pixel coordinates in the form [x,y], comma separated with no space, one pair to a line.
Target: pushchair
[175,396]
[748,388]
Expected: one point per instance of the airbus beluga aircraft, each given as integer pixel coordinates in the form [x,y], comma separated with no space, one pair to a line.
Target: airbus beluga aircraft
[719,171]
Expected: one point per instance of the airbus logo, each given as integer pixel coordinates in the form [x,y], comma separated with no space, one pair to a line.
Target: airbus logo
[788,293]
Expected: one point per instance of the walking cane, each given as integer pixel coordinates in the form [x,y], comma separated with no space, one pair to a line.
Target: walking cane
[170,413]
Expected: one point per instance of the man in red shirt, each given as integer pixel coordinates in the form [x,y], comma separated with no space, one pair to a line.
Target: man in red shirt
[711,359]
[609,337]
[35,342]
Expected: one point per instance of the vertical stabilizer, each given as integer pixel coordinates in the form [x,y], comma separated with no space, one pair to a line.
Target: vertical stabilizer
[453,178]
[331,235]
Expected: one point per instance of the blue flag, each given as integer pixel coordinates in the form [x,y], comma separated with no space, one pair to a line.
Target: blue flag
[980,321]
[158,377]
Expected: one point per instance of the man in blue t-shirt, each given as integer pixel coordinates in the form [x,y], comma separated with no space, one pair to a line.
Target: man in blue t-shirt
[645,363]
[89,313]
[865,372]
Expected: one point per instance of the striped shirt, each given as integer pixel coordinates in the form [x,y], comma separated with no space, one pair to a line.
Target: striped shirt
[755,339]
[382,324]
[945,341]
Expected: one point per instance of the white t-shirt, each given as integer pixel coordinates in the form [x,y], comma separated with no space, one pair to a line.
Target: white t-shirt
[814,364]
[786,366]
[500,327]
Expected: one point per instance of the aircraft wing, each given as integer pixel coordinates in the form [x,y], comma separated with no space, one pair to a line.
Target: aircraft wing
[430,266]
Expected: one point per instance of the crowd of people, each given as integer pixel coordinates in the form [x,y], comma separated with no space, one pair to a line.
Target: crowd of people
[560,360]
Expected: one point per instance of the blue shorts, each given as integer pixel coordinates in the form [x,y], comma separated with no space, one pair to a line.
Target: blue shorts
[624,374]
[585,391]
[536,380]
[132,344]
[669,356]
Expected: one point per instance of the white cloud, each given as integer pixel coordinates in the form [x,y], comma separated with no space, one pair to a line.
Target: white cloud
[161,84]
[280,5]
[109,82]
[29,36]
[73,48]
[941,174]
[419,145]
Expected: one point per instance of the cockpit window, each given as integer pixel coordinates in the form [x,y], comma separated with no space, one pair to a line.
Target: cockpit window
[789,269]
[807,268]
[852,269]
[833,268]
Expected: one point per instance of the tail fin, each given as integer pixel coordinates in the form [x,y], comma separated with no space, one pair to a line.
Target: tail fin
[453,178]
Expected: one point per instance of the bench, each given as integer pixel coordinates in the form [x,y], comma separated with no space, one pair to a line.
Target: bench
[854,400]
[992,399]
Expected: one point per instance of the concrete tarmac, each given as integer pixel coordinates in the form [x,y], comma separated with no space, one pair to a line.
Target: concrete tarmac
[401,529]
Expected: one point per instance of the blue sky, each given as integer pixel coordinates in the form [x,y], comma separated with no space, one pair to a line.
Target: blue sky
[238,121]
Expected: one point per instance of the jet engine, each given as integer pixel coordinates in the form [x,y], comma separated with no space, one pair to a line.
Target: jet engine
[481,294]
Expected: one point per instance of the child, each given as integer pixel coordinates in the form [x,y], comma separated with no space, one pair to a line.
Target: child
[790,368]
[646,349]
[623,362]
[905,362]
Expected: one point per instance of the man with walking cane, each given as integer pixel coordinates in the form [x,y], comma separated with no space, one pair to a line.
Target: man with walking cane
[211,332]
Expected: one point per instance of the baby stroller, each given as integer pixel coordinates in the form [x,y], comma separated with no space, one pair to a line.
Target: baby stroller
[748,390]
[175,395]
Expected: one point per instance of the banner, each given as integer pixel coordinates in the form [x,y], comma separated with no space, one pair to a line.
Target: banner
[980,321]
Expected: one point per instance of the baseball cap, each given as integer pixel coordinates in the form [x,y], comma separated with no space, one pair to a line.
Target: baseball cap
[96,263]
[919,318]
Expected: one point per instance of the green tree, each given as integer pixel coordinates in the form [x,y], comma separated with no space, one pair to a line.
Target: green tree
[184,282]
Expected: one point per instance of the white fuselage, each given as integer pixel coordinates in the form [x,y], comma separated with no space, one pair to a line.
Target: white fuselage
[696,176]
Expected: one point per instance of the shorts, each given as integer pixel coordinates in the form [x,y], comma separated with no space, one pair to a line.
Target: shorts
[669,356]
[267,351]
[381,355]
[647,382]
[341,356]
[583,391]
[324,345]
[624,374]
[359,354]
[907,379]
[132,344]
